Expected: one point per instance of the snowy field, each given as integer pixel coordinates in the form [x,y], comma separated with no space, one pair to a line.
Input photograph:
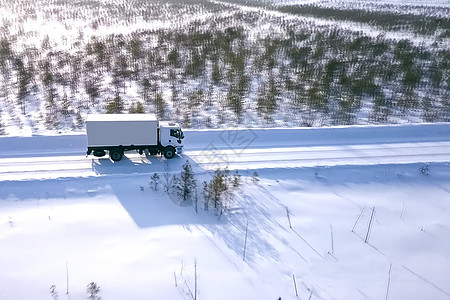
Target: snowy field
[335,213]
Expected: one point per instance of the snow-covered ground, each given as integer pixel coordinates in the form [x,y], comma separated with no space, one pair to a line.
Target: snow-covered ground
[337,3]
[368,217]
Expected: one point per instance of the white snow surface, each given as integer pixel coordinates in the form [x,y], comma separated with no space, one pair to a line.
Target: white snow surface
[337,3]
[335,213]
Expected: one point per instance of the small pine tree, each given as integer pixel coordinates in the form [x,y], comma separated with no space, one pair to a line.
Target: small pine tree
[236,181]
[218,189]
[136,108]
[159,105]
[215,75]
[145,90]
[2,126]
[65,106]
[255,177]
[154,182]
[206,195]
[185,184]
[79,119]
[139,108]
[173,57]
[53,292]
[115,105]
[92,291]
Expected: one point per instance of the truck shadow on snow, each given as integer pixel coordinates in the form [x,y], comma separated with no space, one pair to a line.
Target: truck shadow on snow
[134,164]
[129,181]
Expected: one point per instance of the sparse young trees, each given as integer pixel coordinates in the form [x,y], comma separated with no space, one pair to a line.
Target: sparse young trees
[218,192]
[91,81]
[267,99]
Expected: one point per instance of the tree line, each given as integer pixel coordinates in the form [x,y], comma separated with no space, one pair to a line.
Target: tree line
[311,76]
[390,18]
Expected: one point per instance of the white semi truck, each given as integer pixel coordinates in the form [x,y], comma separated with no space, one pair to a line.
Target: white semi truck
[117,133]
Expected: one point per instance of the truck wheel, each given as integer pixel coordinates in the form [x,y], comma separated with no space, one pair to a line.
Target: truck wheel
[116,154]
[99,153]
[169,152]
[153,151]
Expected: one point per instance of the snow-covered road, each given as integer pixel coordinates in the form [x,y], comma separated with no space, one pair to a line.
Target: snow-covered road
[63,156]
[294,157]
[50,167]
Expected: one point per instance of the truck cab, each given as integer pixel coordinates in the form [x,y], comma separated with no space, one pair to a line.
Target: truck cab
[170,134]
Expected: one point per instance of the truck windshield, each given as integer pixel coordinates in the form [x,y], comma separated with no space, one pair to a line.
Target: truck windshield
[177,133]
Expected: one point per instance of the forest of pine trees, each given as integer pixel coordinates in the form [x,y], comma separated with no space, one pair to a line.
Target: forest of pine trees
[217,72]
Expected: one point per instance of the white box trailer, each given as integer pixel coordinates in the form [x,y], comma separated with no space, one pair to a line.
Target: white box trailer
[117,133]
